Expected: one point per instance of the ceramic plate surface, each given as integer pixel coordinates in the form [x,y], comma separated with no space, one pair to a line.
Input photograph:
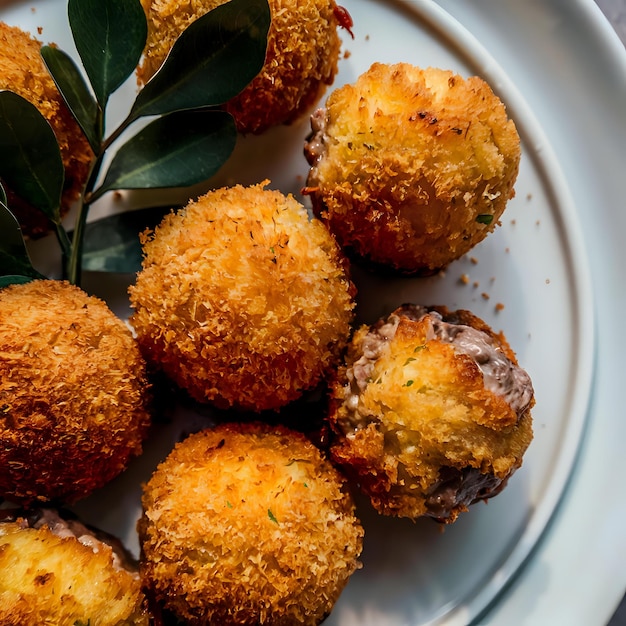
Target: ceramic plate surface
[531,279]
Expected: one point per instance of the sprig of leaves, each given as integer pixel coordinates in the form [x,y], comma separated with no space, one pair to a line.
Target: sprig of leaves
[212,61]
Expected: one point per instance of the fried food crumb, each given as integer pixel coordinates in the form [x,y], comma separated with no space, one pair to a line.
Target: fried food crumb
[248,524]
[243,300]
[73,391]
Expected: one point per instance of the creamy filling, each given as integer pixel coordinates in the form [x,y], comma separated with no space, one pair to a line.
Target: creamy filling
[315,143]
[501,376]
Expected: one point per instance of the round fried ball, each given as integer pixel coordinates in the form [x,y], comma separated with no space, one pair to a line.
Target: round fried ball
[243,300]
[73,393]
[410,167]
[301,60]
[248,524]
[431,412]
[63,573]
[23,72]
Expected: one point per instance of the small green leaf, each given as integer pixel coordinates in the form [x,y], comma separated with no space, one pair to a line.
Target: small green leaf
[272,516]
[110,36]
[212,61]
[30,159]
[111,244]
[178,150]
[13,279]
[484,218]
[14,258]
[73,88]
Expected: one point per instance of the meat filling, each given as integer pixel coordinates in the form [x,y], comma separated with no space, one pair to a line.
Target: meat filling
[501,376]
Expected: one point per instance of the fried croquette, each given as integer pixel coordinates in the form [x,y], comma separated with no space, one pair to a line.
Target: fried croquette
[73,393]
[57,572]
[23,72]
[243,301]
[248,524]
[301,59]
[431,412]
[410,167]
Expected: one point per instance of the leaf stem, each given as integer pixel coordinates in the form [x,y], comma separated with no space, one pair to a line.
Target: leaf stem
[106,144]
[64,243]
[74,262]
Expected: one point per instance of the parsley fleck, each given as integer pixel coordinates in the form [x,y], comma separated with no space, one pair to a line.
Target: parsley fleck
[271,516]
[484,218]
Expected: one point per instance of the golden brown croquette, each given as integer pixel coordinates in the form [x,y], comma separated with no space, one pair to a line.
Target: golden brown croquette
[431,412]
[301,60]
[242,300]
[248,524]
[73,393]
[59,573]
[22,71]
[411,167]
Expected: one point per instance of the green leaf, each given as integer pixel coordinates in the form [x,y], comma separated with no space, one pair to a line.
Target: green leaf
[111,244]
[110,36]
[14,258]
[484,218]
[212,61]
[73,88]
[12,279]
[177,150]
[30,159]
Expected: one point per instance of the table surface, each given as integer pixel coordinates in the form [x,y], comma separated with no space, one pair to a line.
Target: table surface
[615,11]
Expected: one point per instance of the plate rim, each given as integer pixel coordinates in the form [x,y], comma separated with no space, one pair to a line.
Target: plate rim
[540,520]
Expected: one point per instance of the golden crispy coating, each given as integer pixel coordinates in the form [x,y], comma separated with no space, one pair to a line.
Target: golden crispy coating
[301,60]
[428,415]
[412,167]
[50,580]
[242,300]
[73,393]
[23,72]
[248,524]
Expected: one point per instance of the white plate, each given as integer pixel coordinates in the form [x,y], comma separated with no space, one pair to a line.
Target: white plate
[535,264]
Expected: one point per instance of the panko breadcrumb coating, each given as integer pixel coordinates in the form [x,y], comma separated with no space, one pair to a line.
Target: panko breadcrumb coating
[73,393]
[23,72]
[52,572]
[248,524]
[411,167]
[431,412]
[301,60]
[242,300]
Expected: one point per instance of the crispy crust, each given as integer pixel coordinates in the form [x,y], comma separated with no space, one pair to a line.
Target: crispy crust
[56,580]
[242,300]
[407,161]
[425,415]
[23,72]
[248,524]
[301,60]
[73,393]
